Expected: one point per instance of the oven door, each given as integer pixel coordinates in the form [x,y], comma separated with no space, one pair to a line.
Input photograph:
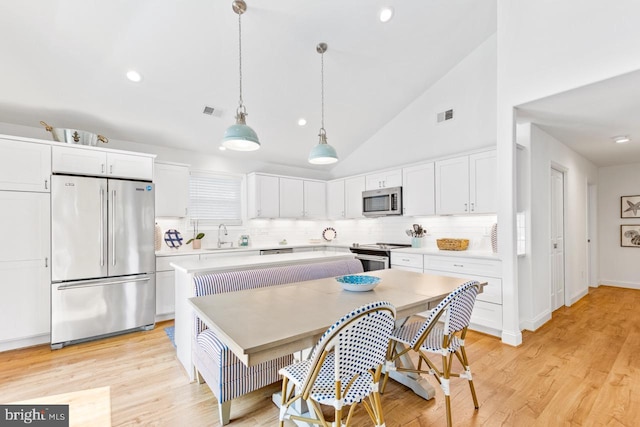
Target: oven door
[373,262]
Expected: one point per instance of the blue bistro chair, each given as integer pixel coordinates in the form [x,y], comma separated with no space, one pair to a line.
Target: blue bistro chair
[432,337]
[344,369]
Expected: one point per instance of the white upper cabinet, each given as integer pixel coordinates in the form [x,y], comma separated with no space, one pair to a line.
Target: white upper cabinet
[418,190]
[391,178]
[336,199]
[315,199]
[24,166]
[263,194]
[353,188]
[172,189]
[129,166]
[291,198]
[483,182]
[82,161]
[466,184]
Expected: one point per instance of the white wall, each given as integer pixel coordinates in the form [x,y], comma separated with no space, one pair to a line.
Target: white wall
[547,152]
[618,266]
[546,47]
[469,89]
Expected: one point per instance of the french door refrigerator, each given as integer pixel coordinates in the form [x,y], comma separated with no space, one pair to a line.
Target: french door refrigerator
[103,259]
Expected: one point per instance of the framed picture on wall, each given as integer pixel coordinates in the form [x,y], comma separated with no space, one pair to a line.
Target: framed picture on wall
[630,207]
[630,236]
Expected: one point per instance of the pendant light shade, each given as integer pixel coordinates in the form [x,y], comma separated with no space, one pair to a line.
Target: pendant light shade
[239,136]
[323,153]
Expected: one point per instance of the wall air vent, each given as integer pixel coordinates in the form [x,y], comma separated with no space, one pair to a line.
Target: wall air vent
[445,115]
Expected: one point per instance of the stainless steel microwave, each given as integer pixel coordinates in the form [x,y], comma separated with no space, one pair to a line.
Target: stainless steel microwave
[382,202]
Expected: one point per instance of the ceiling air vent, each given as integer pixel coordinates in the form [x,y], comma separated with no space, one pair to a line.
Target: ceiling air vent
[445,115]
[208,110]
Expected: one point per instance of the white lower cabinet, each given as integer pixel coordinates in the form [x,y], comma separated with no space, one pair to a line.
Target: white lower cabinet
[487,312]
[25,276]
[165,285]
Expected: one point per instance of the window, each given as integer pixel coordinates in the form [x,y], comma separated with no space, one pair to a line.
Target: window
[215,198]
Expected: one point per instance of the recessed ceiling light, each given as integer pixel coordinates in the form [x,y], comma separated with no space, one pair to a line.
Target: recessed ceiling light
[222,148]
[386,13]
[621,139]
[134,76]
[302,122]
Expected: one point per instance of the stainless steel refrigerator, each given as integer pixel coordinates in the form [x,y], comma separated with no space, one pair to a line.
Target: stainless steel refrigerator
[103,259]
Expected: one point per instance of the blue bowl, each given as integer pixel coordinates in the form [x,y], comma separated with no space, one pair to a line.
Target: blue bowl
[358,283]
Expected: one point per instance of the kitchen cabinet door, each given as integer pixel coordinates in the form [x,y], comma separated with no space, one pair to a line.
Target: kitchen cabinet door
[452,186]
[25,276]
[353,188]
[80,161]
[315,200]
[165,295]
[483,182]
[335,199]
[387,179]
[418,190]
[172,189]
[24,166]
[291,198]
[129,166]
[263,193]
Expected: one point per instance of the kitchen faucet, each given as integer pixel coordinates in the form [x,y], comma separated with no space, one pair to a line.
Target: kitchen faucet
[221,242]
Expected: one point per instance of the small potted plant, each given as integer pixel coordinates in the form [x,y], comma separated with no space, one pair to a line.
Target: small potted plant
[197,244]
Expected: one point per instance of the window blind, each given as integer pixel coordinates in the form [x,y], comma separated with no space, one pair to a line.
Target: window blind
[215,198]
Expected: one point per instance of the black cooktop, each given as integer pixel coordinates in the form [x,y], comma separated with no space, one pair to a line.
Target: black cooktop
[380,246]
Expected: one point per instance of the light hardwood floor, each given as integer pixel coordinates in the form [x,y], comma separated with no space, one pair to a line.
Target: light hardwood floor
[581,368]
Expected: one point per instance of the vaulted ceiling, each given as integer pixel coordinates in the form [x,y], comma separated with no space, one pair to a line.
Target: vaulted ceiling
[64,62]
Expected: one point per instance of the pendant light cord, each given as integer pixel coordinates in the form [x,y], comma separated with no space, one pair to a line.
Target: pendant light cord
[322,88]
[240,55]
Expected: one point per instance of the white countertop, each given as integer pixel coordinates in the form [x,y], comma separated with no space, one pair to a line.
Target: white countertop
[187,250]
[436,251]
[230,263]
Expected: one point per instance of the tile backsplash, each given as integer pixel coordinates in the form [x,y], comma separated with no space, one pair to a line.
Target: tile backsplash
[476,228]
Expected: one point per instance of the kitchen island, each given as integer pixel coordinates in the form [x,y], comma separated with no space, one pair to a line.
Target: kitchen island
[185,271]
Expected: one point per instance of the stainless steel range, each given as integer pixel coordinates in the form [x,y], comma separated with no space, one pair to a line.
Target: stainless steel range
[375,256]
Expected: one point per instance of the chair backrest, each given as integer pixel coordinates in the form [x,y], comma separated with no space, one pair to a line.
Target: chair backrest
[359,341]
[456,307]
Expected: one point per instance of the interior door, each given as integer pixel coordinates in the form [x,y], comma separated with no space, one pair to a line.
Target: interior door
[557,239]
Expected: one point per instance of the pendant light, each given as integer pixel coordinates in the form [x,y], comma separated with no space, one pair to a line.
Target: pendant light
[240,137]
[323,153]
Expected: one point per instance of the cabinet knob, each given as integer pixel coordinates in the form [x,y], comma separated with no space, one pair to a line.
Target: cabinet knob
[102,168]
[46,262]
[46,184]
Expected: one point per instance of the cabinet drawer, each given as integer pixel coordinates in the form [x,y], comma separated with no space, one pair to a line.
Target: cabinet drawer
[162,262]
[407,260]
[492,291]
[487,314]
[478,267]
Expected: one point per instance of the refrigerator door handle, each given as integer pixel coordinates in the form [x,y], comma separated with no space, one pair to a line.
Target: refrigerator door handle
[101,227]
[113,227]
[93,283]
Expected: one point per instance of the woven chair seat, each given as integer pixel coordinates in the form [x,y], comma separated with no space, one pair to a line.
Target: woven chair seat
[433,342]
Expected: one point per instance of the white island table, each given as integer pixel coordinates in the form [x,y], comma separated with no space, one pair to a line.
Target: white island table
[265,323]
[185,271]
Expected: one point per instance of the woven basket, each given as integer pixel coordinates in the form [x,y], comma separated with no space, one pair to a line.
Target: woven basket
[452,244]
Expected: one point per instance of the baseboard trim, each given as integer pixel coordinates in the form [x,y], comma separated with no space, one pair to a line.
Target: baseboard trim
[617,284]
[577,297]
[25,342]
[512,338]
[536,322]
